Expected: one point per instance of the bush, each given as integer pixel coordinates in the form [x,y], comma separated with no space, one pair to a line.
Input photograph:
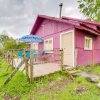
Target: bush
[1,53]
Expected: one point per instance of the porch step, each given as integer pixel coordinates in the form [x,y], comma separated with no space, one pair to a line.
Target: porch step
[73,71]
[69,68]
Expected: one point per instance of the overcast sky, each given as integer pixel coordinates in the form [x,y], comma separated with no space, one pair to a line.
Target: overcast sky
[17,16]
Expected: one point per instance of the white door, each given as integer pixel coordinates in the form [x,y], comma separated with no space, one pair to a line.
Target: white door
[67,44]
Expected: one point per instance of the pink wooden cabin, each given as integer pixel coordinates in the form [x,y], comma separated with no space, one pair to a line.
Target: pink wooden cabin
[79,39]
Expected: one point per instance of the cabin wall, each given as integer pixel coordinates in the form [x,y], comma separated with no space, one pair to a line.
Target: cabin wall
[52,29]
[84,57]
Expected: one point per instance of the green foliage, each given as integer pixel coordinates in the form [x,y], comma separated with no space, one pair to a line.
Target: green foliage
[90,8]
[21,45]
[3,39]
[94,69]
[1,52]
[10,43]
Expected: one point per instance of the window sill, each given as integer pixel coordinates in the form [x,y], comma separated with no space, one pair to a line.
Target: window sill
[88,49]
[48,52]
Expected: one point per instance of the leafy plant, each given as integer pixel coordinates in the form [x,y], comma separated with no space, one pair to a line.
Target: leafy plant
[90,8]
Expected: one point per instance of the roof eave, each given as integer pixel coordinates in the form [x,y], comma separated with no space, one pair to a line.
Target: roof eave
[85,21]
[88,30]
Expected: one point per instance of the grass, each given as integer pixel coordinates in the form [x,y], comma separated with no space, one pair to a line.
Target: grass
[51,87]
[93,69]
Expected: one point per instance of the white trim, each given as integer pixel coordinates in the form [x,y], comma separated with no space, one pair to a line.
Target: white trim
[86,37]
[35,45]
[52,43]
[73,40]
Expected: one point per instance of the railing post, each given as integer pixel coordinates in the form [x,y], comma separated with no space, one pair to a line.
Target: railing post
[12,59]
[62,57]
[26,64]
[31,67]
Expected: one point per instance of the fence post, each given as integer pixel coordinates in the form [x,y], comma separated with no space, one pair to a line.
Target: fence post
[12,59]
[62,65]
[6,56]
[26,64]
[8,59]
[31,67]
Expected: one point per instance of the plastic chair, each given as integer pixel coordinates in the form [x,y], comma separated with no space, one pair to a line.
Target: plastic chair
[20,54]
[33,54]
[28,54]
[43,53]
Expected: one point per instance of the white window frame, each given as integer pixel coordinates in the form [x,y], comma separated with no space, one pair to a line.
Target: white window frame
[37,46]
[90,48]
[48,47]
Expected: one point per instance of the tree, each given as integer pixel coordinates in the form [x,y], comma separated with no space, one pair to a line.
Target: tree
[3,39]
[10,43]
[91,9]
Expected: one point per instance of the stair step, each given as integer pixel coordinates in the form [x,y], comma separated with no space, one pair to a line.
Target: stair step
[72,72]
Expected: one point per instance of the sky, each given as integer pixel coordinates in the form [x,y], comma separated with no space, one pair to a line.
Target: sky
[18,16]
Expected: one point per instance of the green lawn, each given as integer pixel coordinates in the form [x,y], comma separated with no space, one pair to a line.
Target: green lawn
[51,87]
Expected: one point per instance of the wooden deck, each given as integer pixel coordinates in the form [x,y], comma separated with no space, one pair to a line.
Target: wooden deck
[41,69]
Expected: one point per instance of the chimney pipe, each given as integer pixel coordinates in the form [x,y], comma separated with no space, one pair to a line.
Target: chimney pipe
[60,5]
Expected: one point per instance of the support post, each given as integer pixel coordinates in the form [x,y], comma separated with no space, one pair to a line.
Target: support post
[8,60]
[6,56]
[14,72]
[12,59]
[31,67]
[26,64]
[62,65]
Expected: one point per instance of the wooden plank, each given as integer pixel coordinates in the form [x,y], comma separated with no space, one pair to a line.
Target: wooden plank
[62,57]
[49,55]
[46,62]
[28,49]
[26,65]
[12,59]
[8,60]
[31,67]
[14,72]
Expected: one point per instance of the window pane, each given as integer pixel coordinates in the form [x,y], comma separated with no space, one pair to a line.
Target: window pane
[48,44]
[88,43]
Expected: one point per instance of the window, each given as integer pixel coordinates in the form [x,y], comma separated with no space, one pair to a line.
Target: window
[88,43]
[48,44]
[35,46]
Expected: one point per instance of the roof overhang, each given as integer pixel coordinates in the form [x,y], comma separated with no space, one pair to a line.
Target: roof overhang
[88,30]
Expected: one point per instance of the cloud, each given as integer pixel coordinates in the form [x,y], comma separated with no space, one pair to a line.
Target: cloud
[18,16]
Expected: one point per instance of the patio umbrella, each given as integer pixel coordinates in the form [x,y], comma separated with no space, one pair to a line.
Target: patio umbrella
[31,39]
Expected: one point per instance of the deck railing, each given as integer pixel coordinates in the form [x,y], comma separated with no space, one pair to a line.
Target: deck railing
[31,58]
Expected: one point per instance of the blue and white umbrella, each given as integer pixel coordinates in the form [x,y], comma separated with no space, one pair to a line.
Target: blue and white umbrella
[31,39]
